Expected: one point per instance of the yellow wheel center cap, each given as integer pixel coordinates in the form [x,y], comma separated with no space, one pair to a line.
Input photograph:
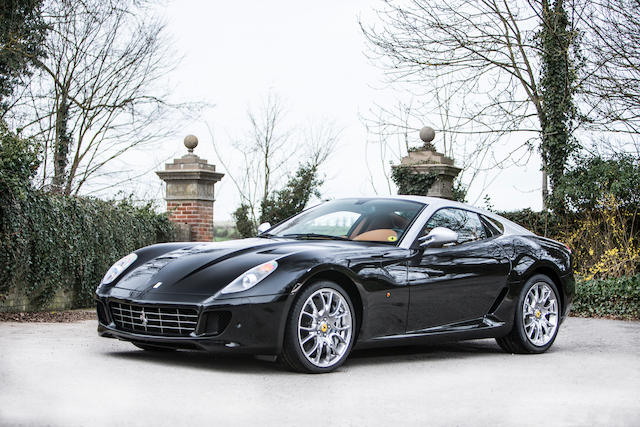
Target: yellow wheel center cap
[324,327]
[538,314]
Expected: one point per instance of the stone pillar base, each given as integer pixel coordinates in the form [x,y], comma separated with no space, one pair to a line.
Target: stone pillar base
[428,161]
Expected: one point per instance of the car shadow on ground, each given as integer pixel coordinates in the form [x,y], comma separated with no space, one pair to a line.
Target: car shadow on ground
[251,365]
[451,350]
[201,360]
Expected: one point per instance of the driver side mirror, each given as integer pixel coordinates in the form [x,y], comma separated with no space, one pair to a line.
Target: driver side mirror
[438,237]
[263,227]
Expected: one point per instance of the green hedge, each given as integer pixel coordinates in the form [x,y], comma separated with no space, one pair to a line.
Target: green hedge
[609,297]
[542,223]
[50,243]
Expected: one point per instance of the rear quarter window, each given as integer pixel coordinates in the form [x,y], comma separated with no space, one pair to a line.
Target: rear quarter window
[494,227]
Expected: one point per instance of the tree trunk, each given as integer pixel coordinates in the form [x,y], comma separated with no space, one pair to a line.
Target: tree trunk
[545,189]
[61,143]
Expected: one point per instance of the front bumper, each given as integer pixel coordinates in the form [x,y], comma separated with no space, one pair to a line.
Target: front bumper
[568,289]
[255,326]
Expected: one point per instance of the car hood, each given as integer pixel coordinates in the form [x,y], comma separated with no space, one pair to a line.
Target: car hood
[206,268]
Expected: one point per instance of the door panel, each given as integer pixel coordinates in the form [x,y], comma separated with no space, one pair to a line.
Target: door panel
[454,284]
[386,295]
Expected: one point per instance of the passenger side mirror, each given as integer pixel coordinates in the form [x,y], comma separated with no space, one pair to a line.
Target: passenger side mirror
[263,227]
[438,237]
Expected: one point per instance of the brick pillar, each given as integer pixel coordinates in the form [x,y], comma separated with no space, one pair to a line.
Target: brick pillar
[189,194]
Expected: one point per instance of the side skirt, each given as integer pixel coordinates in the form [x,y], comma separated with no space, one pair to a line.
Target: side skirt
[485,327]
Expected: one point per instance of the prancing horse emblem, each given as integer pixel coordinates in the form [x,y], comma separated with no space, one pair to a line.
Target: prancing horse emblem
[143,318]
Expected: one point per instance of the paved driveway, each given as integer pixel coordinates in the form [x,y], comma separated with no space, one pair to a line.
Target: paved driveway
[65,375]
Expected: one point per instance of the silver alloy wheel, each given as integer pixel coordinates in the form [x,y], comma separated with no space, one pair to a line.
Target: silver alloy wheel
[540,314]
[325,327]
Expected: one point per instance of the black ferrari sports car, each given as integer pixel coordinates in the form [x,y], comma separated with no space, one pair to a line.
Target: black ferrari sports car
[358,272]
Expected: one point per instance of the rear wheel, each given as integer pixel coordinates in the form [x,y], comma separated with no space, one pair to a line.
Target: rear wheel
[320,329]
[537,318]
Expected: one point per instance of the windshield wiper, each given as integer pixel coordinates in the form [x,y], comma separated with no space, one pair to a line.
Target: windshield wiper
[315,236]
[266,235]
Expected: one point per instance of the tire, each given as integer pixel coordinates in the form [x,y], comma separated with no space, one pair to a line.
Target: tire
[537,318]
[149,347]
[320,330]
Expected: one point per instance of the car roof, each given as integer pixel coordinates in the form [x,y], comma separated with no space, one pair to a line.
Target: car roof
[510,227]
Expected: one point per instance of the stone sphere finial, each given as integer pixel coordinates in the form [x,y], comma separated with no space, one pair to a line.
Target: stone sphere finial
[427,134]
[191,142]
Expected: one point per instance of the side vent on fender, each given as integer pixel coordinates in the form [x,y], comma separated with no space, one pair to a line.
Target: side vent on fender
[498,301]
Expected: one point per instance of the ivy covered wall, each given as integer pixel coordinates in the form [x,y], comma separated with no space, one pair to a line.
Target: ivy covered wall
[54,250]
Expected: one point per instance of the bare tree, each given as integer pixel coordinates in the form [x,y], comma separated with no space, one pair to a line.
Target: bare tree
[611,84]
[271,151]
[483,56]
[267,140]
[320,140]
[262,152]
[99,91]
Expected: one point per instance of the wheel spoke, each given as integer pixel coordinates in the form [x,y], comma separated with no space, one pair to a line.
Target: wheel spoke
[331,350]
[308,314]
[309,352]
[328,304]
[337,310]
[334,335]
[543,296]
[550,323]
[308,338]
[340,316]
[313,307]
[544,329]
[319,352]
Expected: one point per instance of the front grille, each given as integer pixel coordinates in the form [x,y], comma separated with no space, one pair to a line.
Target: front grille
[154,320]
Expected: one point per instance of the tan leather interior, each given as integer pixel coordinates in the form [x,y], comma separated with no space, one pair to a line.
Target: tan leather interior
[379,235]
[358,229]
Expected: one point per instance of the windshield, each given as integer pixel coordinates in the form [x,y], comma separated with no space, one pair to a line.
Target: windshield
[373,220]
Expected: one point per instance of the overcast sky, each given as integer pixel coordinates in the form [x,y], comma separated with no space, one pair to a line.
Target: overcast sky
[312,55]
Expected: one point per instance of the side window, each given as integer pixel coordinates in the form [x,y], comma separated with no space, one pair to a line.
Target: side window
[466,224]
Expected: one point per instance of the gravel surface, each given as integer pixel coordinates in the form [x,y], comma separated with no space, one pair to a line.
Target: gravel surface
[50,316]
[63,374]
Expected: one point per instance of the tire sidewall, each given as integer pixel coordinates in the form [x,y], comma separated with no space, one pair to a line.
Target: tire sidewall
[530,347]
[292,325]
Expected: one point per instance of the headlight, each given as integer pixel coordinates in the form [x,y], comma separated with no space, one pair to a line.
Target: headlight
[250,278]
[118,268]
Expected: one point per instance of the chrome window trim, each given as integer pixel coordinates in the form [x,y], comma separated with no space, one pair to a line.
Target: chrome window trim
[434,204]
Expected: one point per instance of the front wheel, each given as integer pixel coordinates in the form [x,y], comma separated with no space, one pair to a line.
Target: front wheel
[320,329]
[537,318]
